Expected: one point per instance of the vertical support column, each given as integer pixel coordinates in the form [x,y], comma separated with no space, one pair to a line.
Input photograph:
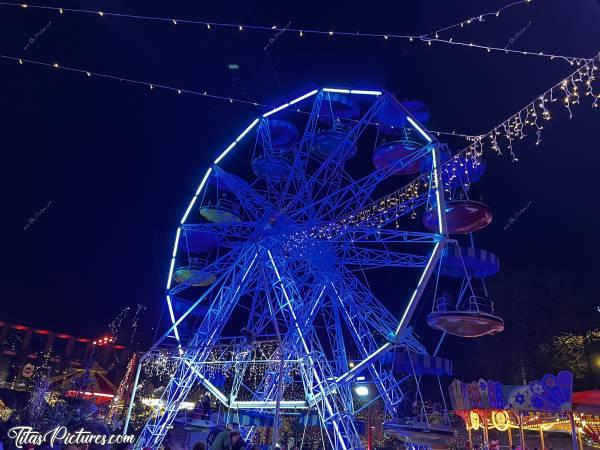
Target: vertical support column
[27,340]
[510,441]
[522,431]
[542,443]
[4,333]
[132,398]
[573,431]
[49,341]
[470,437]
[486,438]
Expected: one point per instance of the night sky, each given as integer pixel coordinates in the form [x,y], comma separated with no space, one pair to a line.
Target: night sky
[120,163]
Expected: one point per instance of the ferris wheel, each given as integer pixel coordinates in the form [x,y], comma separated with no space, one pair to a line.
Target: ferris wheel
[300,260]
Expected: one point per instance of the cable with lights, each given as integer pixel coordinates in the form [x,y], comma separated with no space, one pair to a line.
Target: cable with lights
[426,38]
[180,91]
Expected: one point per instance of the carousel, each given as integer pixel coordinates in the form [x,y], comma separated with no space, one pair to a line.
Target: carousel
[541,407]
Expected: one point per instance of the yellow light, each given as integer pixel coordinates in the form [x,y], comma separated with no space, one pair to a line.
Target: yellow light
[208,26]
[100,13]
[55,65]
[174,22]
[331,33]
[385,37]
[301,33]
[88,74]
[60,10]
[179,91]
[241,28]
[20,61]
[24,5]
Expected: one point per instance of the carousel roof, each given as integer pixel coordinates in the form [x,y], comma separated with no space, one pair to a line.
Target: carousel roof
[587,402]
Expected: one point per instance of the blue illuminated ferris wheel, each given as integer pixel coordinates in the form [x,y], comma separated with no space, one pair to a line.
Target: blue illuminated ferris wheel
[298,264]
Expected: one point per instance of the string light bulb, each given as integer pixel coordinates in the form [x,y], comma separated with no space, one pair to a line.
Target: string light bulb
[423,37]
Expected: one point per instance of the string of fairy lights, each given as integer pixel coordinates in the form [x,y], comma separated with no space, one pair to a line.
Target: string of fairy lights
[568,92]
[152,86]
[428,38]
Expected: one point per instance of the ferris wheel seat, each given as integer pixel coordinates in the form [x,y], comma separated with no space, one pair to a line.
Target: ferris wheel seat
[391,152]
[194,276]
[462,217]
[225,211]
[468,324]
[282,132]
[419,433]
[477,262]
[199,241]
[272,168]
[337,106]
[326,142]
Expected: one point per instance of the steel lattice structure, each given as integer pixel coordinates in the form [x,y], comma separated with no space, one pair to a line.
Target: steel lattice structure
[288,258]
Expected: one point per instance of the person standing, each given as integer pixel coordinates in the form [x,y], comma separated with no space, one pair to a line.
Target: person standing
[236,441]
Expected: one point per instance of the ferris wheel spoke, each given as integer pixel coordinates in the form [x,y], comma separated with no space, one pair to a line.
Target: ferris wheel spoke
[207,235]
[366,344]
[377,235]
[295,182]
[369,258]
[327,177]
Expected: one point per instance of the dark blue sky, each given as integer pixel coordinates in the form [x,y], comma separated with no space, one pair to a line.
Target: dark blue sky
[119,163]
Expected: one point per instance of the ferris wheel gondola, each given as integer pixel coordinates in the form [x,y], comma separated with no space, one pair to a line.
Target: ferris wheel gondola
[273,158]
[194,273]
[428,425]
[474,319]
[462,217]
[327,142]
